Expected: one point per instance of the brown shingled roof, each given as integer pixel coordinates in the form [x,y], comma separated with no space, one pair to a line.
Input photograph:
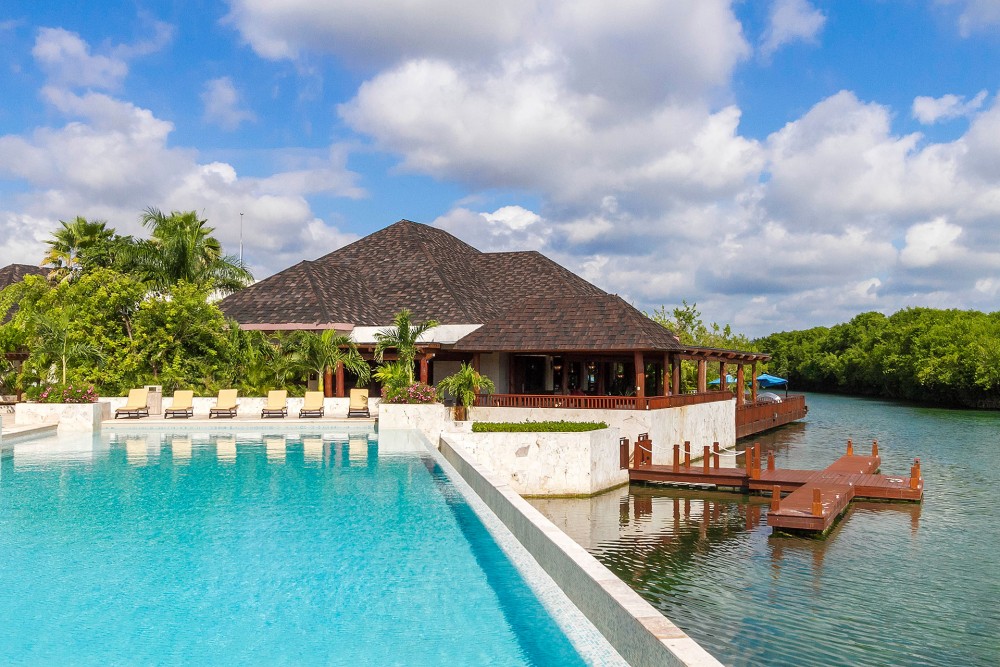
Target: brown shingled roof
[15,273]
[524,300]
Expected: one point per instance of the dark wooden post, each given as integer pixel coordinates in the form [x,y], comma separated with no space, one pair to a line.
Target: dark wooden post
[874,447]
[475,361]
[666,374]
[753,382]
[623,452]
[915,474]
[739,385]
[706,459]
[328,382]
[702,379]
[722,376]
[687,453]
[675,368]
[424,370]
[770,460]
[775,498]
[640,375]
[340,379]
[715,456]
[817,504]
[677,457]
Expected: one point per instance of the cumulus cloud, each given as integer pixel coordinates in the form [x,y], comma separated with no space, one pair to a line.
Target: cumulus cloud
[929,110]
[975,15]
[929,242]
[791,21]
[67,60]
[223,105]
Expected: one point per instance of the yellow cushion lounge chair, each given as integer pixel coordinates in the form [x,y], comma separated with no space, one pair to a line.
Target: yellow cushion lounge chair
[359,404]
[312,405]
[137,405]
[225,404]
[277,404]
[181,405]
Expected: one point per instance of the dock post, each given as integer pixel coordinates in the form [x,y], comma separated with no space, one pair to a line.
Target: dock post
[874,447]
[755,473]
[915,474]
[687,453]
[677,457]
[817,506]
[715,457]
[775,498]
[623,452]
[770,460]
[706,459]
[850,448]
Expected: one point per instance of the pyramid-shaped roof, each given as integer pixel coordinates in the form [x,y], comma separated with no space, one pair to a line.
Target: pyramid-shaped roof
[523,300]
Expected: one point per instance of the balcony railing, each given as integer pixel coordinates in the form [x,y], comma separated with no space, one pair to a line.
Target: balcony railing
[598,402]
[756,417]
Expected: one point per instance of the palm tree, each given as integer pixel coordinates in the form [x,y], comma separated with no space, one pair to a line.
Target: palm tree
[403,338]
[70,242]
[53,343]
[464,385]
[317,352]
[181,247]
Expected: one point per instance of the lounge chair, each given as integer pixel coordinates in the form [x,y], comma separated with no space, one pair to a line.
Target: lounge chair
[181,406]
[277,404]
[225,404]
[359,404]
[312,405]
[137,405]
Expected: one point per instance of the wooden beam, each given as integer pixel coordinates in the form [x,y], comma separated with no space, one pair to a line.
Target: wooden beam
[739,385]
[640,375]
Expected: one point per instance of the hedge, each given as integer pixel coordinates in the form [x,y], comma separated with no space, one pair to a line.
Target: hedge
[536,427]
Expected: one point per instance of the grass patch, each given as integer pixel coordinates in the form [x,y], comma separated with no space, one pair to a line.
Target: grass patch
[536,427]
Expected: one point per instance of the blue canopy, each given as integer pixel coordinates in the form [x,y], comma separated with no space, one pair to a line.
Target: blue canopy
[765,381]
[729,380]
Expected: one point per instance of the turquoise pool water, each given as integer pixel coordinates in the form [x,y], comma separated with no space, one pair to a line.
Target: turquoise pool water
[280,550]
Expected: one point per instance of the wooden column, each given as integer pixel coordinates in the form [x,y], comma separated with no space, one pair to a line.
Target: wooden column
[564,386]
[328,382]
[666,374]
[475,361]
[722,376]
[753,382]
[702,374]
[424,369]
[640,375]
[675,367]
[340,379]
[739,385]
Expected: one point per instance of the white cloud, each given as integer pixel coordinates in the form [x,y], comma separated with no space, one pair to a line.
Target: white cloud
[67,60]
[791,21]
[929,110]
[223,105]
[975,15]
[928,243]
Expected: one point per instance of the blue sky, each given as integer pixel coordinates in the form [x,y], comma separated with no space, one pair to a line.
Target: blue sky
[783,164]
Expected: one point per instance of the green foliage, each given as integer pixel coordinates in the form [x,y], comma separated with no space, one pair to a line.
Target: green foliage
[393,376]
[418,392]
[536,427]
[319,351]
[922,354]
[465,384]
[402,337]
[69,245]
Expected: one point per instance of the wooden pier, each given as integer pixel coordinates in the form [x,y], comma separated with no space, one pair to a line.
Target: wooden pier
[815,498]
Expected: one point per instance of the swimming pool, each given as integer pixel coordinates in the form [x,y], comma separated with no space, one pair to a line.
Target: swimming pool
[159,548]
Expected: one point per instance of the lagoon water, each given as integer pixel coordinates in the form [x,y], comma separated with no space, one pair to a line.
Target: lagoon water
[891,585]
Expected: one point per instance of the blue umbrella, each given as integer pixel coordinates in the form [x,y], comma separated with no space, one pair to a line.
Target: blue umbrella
[765,381]
[729,380]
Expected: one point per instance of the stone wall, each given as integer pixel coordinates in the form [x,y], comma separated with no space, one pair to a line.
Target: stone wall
[549,464]
[69,416]
[701,424]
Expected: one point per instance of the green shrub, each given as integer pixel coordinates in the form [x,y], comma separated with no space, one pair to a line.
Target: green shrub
[536,427]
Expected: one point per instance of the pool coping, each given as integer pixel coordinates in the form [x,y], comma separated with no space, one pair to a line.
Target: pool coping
[635,628]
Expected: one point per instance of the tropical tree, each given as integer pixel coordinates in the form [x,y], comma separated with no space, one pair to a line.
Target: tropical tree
[181,248]
[402,337]
[70,242]
[320,351]
[54,343]
[464,385]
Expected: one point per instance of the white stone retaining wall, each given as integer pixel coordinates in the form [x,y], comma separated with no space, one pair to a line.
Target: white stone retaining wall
[249,406]
[69,416]
[701,424]
[549,464]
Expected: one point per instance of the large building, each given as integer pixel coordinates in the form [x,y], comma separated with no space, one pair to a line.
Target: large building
[528,323]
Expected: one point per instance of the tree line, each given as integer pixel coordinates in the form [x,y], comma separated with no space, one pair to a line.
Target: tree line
[946,357]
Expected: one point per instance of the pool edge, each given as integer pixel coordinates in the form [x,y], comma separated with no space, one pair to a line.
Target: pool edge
[637,630]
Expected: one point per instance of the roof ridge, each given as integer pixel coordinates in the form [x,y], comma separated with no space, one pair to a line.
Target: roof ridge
[308,270]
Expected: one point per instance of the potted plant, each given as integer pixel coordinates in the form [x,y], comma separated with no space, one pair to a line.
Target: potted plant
[464,385]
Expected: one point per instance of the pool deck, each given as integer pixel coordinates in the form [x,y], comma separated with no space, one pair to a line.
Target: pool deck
[816,498]
[240,421]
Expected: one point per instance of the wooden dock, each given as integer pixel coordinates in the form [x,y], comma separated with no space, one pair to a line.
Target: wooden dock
[815,498]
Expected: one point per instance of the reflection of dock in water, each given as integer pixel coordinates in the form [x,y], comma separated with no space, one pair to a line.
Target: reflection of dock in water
[815,500]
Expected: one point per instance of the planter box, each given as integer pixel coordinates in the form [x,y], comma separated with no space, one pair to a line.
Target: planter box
[69,416]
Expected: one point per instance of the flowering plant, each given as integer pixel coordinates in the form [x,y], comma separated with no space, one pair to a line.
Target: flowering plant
[59,394]
[418,392]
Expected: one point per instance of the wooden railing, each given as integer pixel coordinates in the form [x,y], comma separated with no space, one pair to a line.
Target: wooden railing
[598,402]
[753,418]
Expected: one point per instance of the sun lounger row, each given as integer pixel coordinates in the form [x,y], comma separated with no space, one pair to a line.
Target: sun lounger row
[226,404]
